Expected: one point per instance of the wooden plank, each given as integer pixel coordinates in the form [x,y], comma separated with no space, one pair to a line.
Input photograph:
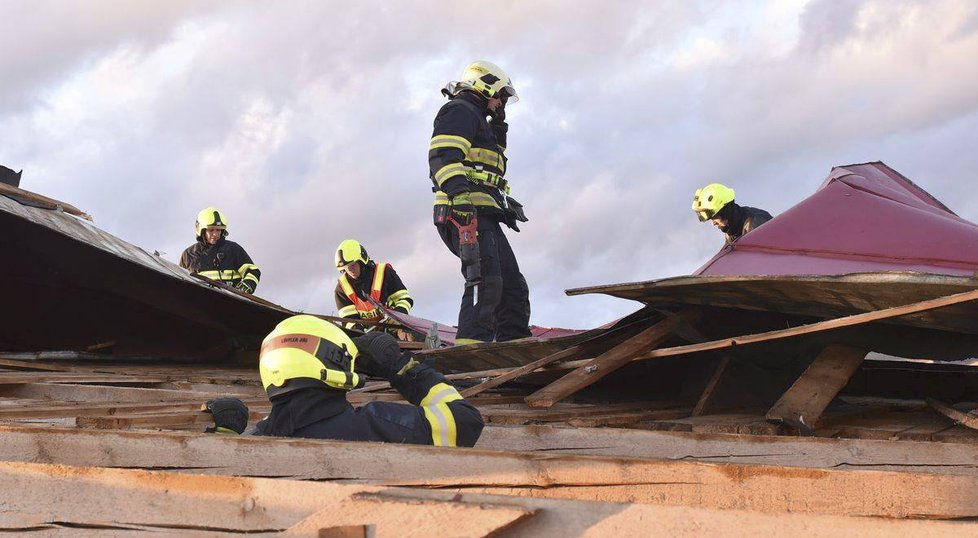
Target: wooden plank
[802,405]
[959,417]
[28,365]
[584,347]
[560,413]
[47,410]
[164,449]
[64,392]
[548,475]
[711,386]
[116,502]
[624,418]
[838,323]
[50,203]
[67,377]
[609,361]
[408,516]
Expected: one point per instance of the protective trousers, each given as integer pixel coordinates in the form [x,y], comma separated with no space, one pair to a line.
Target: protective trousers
[499,307]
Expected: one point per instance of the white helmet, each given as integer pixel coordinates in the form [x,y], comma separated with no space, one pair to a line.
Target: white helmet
[486,78]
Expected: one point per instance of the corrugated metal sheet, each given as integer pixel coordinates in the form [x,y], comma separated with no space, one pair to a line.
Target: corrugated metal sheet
[864,218]
[68,285]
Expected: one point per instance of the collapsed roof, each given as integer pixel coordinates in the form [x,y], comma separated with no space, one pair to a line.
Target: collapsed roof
[863,218]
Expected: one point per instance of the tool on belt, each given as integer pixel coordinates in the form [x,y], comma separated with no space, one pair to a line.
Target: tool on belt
[463,217]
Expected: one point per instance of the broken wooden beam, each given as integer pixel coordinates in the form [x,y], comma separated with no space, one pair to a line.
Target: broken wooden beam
[44,201]
[802,405]
[959,417]
[821,326]
[609,361]
[585,347]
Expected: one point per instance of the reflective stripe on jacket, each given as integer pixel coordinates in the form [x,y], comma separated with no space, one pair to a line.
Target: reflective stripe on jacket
[466,154]
[225,261]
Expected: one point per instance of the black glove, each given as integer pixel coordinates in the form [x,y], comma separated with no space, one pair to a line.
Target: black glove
[462,209]
[230,415]
[514,213]
[246,286]
[380,356]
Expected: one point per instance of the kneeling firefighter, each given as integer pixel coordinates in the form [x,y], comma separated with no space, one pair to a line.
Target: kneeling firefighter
[307,365]
[467,164]
[364,283]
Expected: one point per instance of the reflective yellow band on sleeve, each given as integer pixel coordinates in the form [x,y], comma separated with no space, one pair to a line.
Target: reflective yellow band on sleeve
[449,170]
[226,275]
[439,415]
[450,141]
[348,311]
[486,156]
[245,267]
[441,198]
[398,296]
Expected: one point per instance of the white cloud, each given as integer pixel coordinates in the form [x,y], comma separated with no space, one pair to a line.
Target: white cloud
[308,123]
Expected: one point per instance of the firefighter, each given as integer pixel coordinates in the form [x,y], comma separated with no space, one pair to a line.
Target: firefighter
[214,257]
[467,167]
[362,279]
[307,365]
[715,203]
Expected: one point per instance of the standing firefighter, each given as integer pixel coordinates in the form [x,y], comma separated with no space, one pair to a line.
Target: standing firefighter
[363,282]
[307,365]
[715,203]
[467,166]
[217,258]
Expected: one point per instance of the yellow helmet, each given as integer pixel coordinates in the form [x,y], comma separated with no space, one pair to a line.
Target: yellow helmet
[350,251]
[210,217]
[305,351]
[709,200]
[486,78]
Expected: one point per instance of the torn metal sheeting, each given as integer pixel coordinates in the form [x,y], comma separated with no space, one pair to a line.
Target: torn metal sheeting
[815,296]
[74,286]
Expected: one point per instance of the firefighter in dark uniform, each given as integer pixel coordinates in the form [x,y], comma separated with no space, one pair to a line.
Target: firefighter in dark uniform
[715,203]
[307,365]
[362,279]
[217,258]
[467,166]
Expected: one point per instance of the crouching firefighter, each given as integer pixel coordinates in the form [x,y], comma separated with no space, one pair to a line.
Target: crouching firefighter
[216,258]
[715,203]
[467,164]
[307,365]
[363,284]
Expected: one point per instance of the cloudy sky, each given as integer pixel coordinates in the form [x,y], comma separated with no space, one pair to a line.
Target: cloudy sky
[307,122]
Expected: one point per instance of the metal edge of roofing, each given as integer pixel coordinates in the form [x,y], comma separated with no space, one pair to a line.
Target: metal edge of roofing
[84,232]
[851,278]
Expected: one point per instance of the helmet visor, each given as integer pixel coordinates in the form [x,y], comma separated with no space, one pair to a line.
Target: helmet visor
[508,94]
[704,215]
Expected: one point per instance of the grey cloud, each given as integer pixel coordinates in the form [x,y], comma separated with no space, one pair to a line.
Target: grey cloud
[308,123]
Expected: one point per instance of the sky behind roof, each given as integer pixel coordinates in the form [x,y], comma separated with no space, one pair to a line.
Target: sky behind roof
[308,123]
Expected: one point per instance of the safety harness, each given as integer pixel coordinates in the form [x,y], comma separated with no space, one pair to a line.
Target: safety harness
[366,309]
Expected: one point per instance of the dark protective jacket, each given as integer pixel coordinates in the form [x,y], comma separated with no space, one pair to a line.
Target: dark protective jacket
[225,261]
[466,155]
[383,285]
[437,414]
[742,219]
